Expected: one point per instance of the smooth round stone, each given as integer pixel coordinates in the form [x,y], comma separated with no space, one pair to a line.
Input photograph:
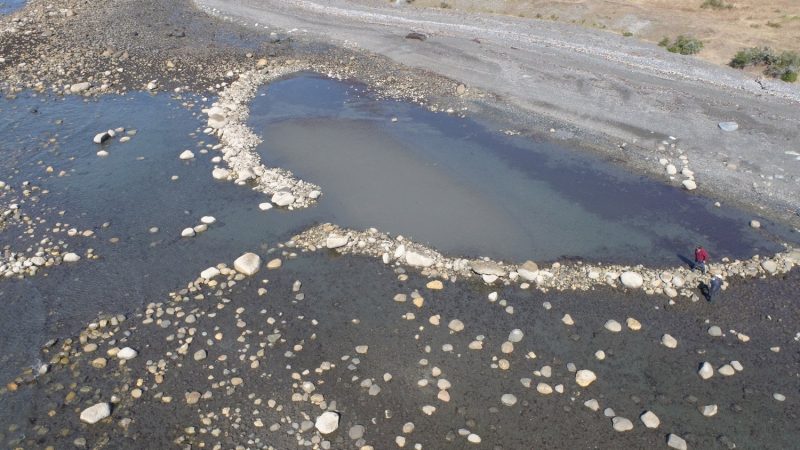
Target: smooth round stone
[709,410]
[508,399]
[208,220]
[726,370]
[669,341]
[544,388]
[631,280]
[456,325]
[356,432]
[633,324]
[474,438]
[247,264]
[621,424]
[274,264]
[715,331]
[613,326]
[96,413]
[127,353]
[186,154]
[266,206]
[585,377]
[327,422]
[71,257]
[779,397]
[188,232]
[516,335]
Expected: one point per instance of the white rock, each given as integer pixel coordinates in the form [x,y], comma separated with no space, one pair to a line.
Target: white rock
[769,266]
[592,404]
[99,138]
[336,241]
[248,264]
[728,126]
[208,220]
[474,438]
[188,232]
[71,257]
[631,280]
[755,224]
[622,424]
[418,260]
[705,371]
[456,325]
[726,370]
[127,353]
[96,413]
[508,399]
[567,320]
[669,341]
[676,442]
[544,388]
[613,326]
[209,273]
[282,198]
[327,423]
[220,173]
[650,420]
[515,336]
[529,271]
[186,154]
[715,331]
[671,170]
[779,397]
[689,185]
[585,377]
[709,410]
[266,206]
[77,88]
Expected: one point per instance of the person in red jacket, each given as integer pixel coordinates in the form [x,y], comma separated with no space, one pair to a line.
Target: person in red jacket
[700,259]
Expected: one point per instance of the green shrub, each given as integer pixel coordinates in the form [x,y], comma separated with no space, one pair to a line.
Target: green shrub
[716,4]
[784,66]
[627,34]
[663,42]
[685,45]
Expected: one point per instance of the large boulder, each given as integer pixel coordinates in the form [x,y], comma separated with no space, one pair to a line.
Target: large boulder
[248,264]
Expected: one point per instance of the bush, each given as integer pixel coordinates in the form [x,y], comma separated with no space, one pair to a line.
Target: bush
[784,66]
[685,45]
[716,4]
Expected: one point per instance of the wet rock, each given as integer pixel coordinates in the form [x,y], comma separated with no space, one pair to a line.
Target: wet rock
[689,185]
[99,138]
[265,206]
[186,154]
[96,413]
[650,420]
[676,442]
[585,377]
[755,224]
[631,280]
[327,423]
[220,173]
[188,232]
[247,264]
[274,264]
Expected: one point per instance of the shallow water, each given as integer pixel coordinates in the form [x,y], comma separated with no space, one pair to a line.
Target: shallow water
[9,6]
[470,190]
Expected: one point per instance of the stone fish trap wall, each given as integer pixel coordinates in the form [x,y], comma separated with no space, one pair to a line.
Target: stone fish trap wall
[227,119]
[671,282]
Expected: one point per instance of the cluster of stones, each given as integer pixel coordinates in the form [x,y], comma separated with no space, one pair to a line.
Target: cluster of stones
[205,221]
[688,182]
[227,120]
[670,282]
[46,252]
[105,136]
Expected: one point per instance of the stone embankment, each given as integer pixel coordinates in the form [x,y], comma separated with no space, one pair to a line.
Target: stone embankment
[672,282]
[227,119]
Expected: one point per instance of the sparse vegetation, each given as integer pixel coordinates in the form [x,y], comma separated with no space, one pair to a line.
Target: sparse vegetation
[685,45]
[784,66]
[716,4]
[627,34]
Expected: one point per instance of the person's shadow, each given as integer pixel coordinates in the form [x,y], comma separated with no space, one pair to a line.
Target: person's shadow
[705,290]
[686,260]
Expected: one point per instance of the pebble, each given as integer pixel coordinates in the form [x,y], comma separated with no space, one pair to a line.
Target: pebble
[705,371]
[208,220]
[508,399]
[715,331]
[669,341]
[474,438]
[544,388]
[567,319]
[650,420]
[515,336]
[755,224]
[779,397]
[709,410]
[622,424]
[435,285]
[248,264]
[585,377]
[631,280]
[592,404]
[266,206]
[613,326]
[96,413]
[633,324]
[71,257]
[188,232]
[676,442]
[186,154]
[327,422]
[456,325]
[127,353]
[274,264]
[689,185]
[726,370]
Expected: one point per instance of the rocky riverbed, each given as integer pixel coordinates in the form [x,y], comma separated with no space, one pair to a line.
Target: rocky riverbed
[164,286]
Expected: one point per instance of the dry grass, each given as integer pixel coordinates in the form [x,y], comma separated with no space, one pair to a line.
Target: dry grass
[724,31]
